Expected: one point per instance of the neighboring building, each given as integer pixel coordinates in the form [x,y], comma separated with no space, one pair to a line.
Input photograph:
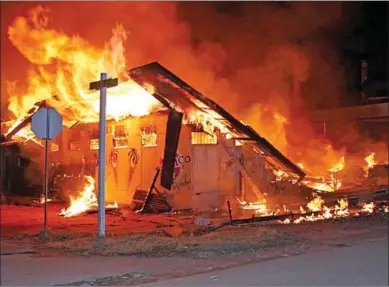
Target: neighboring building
[14,176]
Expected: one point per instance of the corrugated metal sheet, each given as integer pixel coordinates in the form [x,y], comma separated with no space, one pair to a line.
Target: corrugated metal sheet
[205,177]
[178,93]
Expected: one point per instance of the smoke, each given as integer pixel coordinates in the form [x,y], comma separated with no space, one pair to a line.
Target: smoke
[265,62]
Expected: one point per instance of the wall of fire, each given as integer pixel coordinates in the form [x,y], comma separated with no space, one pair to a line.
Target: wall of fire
[203,175]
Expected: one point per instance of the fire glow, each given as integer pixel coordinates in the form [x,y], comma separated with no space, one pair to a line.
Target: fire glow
[85,201]
[333,184]
[370,161]
[42,199]
[77,63]
[258,207]
[65,65]
[317,205]
[317,211]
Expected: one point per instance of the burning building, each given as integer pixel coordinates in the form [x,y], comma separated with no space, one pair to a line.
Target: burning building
[157,120]
[214,155]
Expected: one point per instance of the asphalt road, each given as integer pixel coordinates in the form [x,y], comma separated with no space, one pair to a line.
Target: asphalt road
[359,265]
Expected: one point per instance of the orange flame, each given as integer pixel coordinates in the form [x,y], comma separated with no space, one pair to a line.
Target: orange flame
[317,205]
[64,67]
[341,209]
[339,166]
[259,207]
[280,174]
[208,122]
[371,161]
[42,199]
[301,165]
[323,186]
[368,207]
[85,201]
[332,184]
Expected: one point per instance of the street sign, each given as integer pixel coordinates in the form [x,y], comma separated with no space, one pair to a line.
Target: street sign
[46,123]
[108,83]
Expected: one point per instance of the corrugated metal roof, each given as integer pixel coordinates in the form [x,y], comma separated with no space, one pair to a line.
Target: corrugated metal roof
[178,93]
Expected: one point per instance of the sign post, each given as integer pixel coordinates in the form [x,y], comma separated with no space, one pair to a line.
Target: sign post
[102,85]
[46,124]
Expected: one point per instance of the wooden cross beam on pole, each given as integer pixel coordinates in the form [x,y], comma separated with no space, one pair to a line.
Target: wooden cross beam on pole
[102,85]
[107,83]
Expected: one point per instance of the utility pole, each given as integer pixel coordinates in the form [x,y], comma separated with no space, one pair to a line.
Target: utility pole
[102,85]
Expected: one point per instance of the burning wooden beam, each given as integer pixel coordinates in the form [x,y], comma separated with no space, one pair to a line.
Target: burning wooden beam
[22,123]
[15,129]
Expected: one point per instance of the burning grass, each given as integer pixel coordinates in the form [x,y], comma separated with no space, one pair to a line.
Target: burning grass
[145,236]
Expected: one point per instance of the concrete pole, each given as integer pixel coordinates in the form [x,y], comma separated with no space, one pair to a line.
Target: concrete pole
[101,177]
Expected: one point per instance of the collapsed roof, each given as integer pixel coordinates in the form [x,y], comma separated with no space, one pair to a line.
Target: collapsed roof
[173,92]
[171,89]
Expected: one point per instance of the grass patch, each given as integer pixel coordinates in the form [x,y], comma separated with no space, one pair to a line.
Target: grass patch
[226,241]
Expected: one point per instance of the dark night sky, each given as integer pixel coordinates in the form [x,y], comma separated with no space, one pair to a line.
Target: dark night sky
[375,31]
[365,38]
[369,25]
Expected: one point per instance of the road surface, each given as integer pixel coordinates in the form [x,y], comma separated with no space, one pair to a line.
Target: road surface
[359,265]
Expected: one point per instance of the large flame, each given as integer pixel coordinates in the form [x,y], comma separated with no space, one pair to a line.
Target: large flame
[85,201]
[63,68]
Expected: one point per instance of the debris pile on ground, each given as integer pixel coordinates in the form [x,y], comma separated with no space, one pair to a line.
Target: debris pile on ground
[157,202]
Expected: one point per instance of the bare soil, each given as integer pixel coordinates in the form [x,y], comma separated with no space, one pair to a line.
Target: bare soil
[28,220]
[160,236]
[148,235]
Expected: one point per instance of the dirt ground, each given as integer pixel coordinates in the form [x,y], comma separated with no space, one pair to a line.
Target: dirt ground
[145,236]
[28,220]
[167,235]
